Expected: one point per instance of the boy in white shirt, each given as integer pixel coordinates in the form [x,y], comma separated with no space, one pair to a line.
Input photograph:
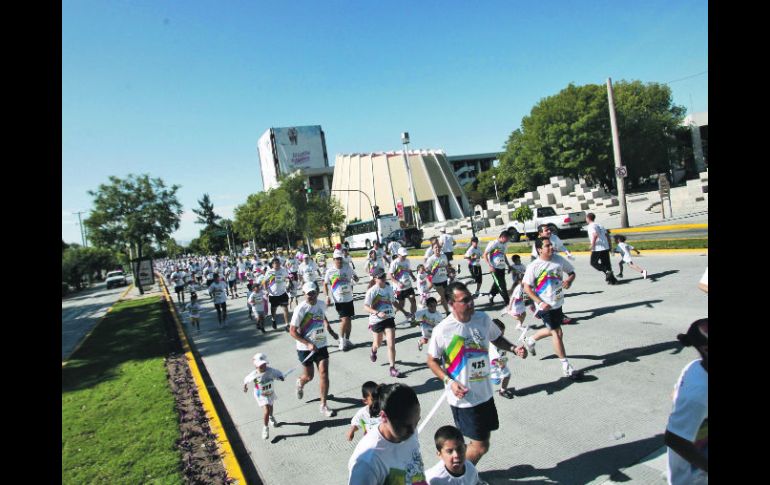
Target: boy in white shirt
[473,255]
[625,255]
[195,312]
[262,378]
[427,318]
[256,304]
[454,468]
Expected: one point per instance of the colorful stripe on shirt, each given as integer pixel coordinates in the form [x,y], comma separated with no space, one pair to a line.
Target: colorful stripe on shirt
[380,303]
[309,324]
[336,281]
[456,355]
[544,280]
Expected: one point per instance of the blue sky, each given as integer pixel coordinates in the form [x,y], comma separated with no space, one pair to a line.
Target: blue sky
[182,90]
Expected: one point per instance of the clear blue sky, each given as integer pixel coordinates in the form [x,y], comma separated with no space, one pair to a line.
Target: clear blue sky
[182,90]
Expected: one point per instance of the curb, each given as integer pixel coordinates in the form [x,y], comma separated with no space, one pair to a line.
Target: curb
[232,467]
[77,347]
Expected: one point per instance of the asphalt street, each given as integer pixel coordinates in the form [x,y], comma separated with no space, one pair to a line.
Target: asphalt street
[81,311]
[553,431]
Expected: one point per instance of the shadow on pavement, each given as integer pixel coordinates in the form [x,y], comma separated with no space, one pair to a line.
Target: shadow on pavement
[597,312]
[582,468]
[654,277]
[580,293]
[312,429]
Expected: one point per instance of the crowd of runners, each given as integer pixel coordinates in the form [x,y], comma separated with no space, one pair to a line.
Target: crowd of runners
[466,348]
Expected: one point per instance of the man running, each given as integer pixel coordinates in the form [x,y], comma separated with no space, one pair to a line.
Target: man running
[544,283]
[178,278]
[274,283]
[462,342]
[544,231]
[600,249]
[402,276]
[497,260]
[341,278]
[307,328]
[447,246]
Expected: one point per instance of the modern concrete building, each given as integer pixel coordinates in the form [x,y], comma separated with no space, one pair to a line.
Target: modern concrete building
[468,167]
[286,150]
[363,180]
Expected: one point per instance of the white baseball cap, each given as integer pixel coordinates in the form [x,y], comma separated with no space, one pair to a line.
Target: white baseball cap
[259,359]
[338,254]
[308,287]
[403,252]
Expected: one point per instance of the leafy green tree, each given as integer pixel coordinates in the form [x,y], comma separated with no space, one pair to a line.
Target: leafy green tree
[133,212]
[205,213]
[326,216]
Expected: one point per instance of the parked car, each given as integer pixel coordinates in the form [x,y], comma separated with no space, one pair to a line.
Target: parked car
[559,223]
[407,237]
[116,278]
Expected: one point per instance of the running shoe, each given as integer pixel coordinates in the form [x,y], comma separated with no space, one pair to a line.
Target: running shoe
[275,327]
[348,345]
[395,373]
[519,327]
[326,411]
[373,356]
[300,391]
[265,433]
[567,320]
[273,422]
[491,299]
[620,275]
[644,274]
[419,345]
[530,345]
[342,344]
[573,373]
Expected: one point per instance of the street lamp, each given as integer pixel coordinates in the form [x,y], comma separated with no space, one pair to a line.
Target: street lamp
[415,208]
[494,180]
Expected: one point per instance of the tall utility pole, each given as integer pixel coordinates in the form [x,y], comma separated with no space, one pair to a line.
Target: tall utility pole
[620,170]
[82,233]
[415,207]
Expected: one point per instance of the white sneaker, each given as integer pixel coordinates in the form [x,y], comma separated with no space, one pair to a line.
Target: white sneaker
[326,411]
[644,274]
[265,433]
[342,344]
[530,344]
[273,422]
[299,389]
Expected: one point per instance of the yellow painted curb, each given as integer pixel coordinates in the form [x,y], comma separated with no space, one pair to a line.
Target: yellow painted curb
[672,227]
[232,467]
[94,327]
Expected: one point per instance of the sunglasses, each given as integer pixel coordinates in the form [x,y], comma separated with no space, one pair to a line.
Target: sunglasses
[467,300]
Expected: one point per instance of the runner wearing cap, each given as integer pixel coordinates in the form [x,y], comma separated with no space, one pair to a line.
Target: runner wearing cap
[402,276]
[262,377]
[274,283]
[340,278]
[307,328]
[437,274]
[309,271]
[379,302]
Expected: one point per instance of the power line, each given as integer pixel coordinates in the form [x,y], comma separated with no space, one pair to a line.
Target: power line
[688,77]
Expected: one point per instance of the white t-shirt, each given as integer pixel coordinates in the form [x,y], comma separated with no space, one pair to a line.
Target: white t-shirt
[474,255]
[309,320]
[545,278]
[558,245]
[393,247]
[601,242]
[231,274]
[625,251]
[437,268]
[178,278]
[447,243]
[194,309]
[275,280]
[264,391]
[689,420]
[464,348]
[380,299]
[401,271]
[341,283]
[380,254]
[496,251]
[364,421]
[309,270]
[218,291]
[377,461]
[291,264]
[422,283]
[256,298]
[428,320]
[372,265]
[438,475]
[428,253]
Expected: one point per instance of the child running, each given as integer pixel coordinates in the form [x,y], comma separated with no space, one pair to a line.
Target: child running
[454,468]
[427,318]
[256,304]
[373,266]
[422,284]
[625,255]
[367,417]
[379,302]
[263,377]
[516,308]
[500,374]
[195,312]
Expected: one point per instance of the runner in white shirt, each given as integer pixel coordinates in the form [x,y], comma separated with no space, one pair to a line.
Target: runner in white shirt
[393,247]
[256,305]
[447,243]
[347,258]
[232,281]
[402,276]
[429,252]
[262,378]
[218,293]
[428,318]
[474,255]
[178,278]
[436,265]
[625,255]
[309,327]
[454,468]
[495,257]
[544,282]
[367,417]
[380,301]
[274,282]
[458,354]
[339,278]
[309,271]
[390,452]
[373,265]
[423,284]
[600,249]
[544,230]
[381,256]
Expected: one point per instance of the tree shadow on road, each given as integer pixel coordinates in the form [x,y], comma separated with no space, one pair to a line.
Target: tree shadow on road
[582,468]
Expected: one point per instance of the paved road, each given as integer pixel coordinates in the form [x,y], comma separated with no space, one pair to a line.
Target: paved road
[81,311]
[553,431]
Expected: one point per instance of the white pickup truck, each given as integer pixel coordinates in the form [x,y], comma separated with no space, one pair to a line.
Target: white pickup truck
[560,223]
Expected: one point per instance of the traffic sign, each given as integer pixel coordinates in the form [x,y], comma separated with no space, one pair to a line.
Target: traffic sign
[621,171]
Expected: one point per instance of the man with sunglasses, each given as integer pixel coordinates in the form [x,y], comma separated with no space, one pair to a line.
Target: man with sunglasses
[458,354]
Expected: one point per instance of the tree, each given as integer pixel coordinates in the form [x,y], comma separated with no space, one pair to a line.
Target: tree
[206,214]
[325,217]
[569,134]
[133,212]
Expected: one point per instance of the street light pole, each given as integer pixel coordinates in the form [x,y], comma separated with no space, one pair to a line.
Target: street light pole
[494,180]
[415,207]
[620,170]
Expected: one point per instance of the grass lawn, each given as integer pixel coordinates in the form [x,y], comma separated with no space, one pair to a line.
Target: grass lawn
[119,424]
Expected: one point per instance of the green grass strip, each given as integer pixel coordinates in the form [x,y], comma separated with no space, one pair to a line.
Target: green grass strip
[119,424]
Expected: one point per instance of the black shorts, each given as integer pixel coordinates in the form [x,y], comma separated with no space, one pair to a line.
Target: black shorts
[478,422]
[552,318]
[232,283]
[441,285]
[449,256]
[475,272]
[179,289]
[404,294]
[320,355]
[380,327]
[345,309]
[279,300]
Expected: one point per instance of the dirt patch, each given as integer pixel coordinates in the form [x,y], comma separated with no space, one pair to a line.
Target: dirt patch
[201,462]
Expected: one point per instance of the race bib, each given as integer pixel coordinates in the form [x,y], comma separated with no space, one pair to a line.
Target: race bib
[478,368]
[266,389]
[319,339]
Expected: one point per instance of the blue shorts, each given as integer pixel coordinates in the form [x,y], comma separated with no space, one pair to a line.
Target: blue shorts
[321,354]
[477,422]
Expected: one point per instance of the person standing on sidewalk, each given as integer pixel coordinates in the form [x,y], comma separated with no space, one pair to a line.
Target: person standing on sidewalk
[687,429]
[544,282]
[458,354]
[307,327]
[600,249]
[340,278]
[497,260]
[380,301]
